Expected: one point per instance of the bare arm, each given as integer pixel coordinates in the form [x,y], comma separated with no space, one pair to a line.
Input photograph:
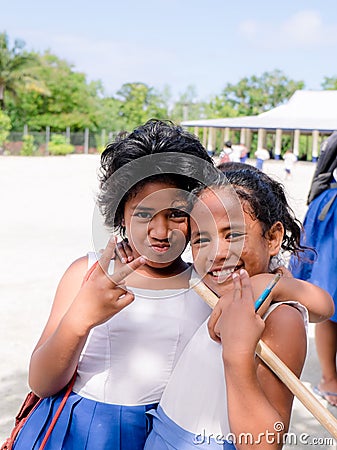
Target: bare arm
[257,401]
[76,310]
[317,301]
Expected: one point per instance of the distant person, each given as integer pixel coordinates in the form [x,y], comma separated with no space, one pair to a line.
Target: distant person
[243,153]
[237,151]
[289,160]
[225,155]
[320,232]
[261,156]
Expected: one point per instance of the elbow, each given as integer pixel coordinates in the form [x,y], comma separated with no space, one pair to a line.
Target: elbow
[37,380]
[329,309]
[36,386]
[326,309]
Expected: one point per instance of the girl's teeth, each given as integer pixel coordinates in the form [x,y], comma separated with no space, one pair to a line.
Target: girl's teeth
[220,273]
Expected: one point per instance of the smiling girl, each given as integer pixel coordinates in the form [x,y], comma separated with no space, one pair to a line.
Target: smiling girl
[220,395]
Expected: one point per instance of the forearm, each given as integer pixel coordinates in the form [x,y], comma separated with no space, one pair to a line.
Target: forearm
[318,302]
[54,362]
[252,418]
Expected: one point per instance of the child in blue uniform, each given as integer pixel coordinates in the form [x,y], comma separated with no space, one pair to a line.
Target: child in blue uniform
[320,232]
[219,390]
[123,344]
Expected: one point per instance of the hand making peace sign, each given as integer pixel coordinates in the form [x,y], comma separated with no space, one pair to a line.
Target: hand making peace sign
[101,295]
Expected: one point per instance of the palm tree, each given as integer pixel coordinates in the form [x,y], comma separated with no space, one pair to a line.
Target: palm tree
[16,68]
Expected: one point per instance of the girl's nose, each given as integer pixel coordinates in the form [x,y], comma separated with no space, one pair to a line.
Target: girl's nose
[158,227]
[220,251]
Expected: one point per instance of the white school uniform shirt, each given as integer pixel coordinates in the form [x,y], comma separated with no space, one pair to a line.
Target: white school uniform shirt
[128,360]
[195,397]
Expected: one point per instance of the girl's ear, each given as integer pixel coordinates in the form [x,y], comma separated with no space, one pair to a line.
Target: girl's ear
[275,236]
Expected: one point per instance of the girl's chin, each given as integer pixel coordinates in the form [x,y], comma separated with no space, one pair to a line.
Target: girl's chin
[217,285]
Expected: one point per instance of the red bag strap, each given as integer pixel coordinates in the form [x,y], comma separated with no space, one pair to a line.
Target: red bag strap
[58,412]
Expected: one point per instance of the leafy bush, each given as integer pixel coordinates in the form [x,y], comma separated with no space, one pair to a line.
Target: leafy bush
[5,126]
[59,145]
[28,148]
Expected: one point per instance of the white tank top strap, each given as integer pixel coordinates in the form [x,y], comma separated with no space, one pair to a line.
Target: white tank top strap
[302,309]
[94,256]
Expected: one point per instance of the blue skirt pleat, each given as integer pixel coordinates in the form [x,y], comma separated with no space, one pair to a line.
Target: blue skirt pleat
[87,425]
[321,235]
[167,435]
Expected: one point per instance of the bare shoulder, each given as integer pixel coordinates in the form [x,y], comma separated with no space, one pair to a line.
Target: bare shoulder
[71,281]
[285,334]
[77,269]
[66,291]
[285,317]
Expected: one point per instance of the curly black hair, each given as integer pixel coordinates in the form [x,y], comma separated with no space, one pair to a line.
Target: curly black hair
[155,151]
[264,198]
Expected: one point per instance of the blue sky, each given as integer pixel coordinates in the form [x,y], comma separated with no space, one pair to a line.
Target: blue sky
[179,43]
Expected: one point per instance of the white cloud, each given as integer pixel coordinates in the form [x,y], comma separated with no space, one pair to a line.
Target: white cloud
[302,30]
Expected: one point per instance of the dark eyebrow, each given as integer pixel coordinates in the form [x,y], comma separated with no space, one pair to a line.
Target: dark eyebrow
[198,234]
[142,208]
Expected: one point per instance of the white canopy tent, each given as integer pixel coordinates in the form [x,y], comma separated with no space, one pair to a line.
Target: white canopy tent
[307,112]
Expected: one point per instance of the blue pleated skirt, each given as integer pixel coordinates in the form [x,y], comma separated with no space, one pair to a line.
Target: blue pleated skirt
[86,425]
[167,435]
[320,226]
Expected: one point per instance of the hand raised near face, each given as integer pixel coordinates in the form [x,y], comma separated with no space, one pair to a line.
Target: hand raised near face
[123,251]
[102,295]
[234,321]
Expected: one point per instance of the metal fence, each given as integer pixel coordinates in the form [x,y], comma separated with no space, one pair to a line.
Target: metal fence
[83,141]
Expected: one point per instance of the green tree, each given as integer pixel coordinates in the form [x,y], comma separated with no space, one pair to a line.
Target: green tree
[16,69]
[187,107]
[108,115]
[218,107]
[59,145]
[329,83]
[138,103]
[28,147]
[254,95]
[5,126]
[71,101]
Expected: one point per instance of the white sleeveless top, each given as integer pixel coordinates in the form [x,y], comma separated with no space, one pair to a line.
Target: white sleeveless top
[195,397]
[129,359]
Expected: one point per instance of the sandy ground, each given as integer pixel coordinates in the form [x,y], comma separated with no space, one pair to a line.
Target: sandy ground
[47,207]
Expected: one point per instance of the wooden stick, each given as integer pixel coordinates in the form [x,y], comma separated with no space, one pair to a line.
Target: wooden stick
[322,414]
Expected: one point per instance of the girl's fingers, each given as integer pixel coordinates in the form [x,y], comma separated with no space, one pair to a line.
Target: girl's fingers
[108,254]
[236,286]
[120,252]
[283,271]
[126,299]
[127,251]
[246,290]
[212,321]
[126,270]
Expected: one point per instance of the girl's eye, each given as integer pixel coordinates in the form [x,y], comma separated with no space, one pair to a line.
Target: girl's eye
[178,214]
[143,215]
[200,241]
[235,235]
